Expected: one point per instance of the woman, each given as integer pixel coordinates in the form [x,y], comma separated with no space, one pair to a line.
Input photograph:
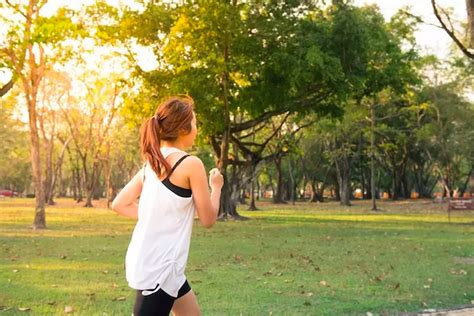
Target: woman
[172,185]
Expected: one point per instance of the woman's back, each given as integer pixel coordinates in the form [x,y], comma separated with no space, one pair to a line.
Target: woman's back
[160,242]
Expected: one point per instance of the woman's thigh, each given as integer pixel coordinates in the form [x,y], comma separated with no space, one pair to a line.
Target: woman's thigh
[156,304]
[186,305]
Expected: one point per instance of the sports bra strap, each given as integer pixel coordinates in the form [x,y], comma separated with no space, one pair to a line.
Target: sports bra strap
[180,160]
[172,169]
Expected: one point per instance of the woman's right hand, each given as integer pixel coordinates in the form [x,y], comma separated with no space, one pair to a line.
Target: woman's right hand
[216,180]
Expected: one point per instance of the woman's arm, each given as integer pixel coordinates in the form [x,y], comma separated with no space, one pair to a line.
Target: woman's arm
[125,203]
[207,205]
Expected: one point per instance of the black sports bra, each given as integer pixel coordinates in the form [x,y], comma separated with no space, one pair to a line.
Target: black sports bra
[182,192]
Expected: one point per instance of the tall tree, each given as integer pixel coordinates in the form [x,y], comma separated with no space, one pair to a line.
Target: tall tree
[29,39]
[98,108]
[15,162]
[55,85]
[238,59]
[448,120]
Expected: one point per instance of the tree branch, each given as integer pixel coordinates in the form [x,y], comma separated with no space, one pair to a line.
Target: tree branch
[450,32]
[419,19]
[16,8]
[253,132]
[6,87]
[249,124]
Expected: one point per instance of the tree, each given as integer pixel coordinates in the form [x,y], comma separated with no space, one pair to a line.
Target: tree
[315,161]
[121,157]
[238,59]
[372,59]
[15,165]
[448,121]
[99,107]
[29,38]
[55,85]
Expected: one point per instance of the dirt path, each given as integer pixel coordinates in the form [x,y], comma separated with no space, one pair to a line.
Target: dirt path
[462,311]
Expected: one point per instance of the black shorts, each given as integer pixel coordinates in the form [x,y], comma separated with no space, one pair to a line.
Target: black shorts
[158,303]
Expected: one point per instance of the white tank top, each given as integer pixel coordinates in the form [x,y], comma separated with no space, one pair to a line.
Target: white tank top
[159,248]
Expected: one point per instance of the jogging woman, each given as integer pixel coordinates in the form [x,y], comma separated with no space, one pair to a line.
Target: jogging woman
[172,185]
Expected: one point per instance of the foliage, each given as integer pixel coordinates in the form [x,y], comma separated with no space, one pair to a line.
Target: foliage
[15,165]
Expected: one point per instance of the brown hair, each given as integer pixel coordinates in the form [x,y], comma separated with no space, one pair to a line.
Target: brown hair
[172,116]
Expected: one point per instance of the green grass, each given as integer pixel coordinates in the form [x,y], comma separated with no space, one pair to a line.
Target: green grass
[319,259]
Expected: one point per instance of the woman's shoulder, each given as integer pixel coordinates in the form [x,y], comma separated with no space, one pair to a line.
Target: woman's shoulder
[192,160]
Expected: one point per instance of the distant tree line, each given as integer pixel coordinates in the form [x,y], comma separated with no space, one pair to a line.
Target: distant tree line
[298,98]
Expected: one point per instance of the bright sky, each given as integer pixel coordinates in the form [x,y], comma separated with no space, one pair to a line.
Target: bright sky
[429,38]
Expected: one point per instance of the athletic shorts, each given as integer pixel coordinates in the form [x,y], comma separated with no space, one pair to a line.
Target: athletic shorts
[158,303]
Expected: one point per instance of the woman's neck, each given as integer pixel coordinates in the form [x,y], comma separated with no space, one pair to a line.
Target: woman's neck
[175,144]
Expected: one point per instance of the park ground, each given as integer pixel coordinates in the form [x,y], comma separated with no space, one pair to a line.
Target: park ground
[307,259]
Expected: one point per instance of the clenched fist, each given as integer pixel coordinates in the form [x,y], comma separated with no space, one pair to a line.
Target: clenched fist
[216,180]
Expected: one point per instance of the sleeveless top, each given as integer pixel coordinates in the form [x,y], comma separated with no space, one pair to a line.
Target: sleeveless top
[159,248]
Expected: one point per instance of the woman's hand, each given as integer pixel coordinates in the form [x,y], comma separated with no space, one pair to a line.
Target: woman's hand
[216,180]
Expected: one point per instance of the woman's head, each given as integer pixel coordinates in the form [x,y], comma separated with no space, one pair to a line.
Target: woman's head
[174,122]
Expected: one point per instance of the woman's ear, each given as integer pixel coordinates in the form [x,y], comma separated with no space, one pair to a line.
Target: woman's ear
[183,132]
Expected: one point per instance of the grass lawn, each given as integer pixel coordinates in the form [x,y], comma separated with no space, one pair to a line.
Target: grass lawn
[319,259]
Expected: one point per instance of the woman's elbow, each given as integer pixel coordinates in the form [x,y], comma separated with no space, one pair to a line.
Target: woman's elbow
[115,205]
[208,223]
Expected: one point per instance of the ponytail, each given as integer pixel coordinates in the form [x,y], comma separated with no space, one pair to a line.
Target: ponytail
[150,142]
[173,115]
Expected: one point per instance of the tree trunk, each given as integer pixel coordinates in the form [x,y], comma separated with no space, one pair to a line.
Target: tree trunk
[304,185]
[406,187]
[108,178]
[80,180]
[372,159]
[57,172]
[31,85]
[395,185]
[39,221]
[109,194]
[343,174]
[278,196]
[91,185]
[49,171]
[252,206]
[258,190]
[74,185]
[6,87]
[468,178]
[243,199]
[337,192]
[272,186]
[228,206]
[346,189]
[75,176]
[292,182]
[423,183]
[61,184]
[287,190]
[79,185]
[316,194]
[470,22]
